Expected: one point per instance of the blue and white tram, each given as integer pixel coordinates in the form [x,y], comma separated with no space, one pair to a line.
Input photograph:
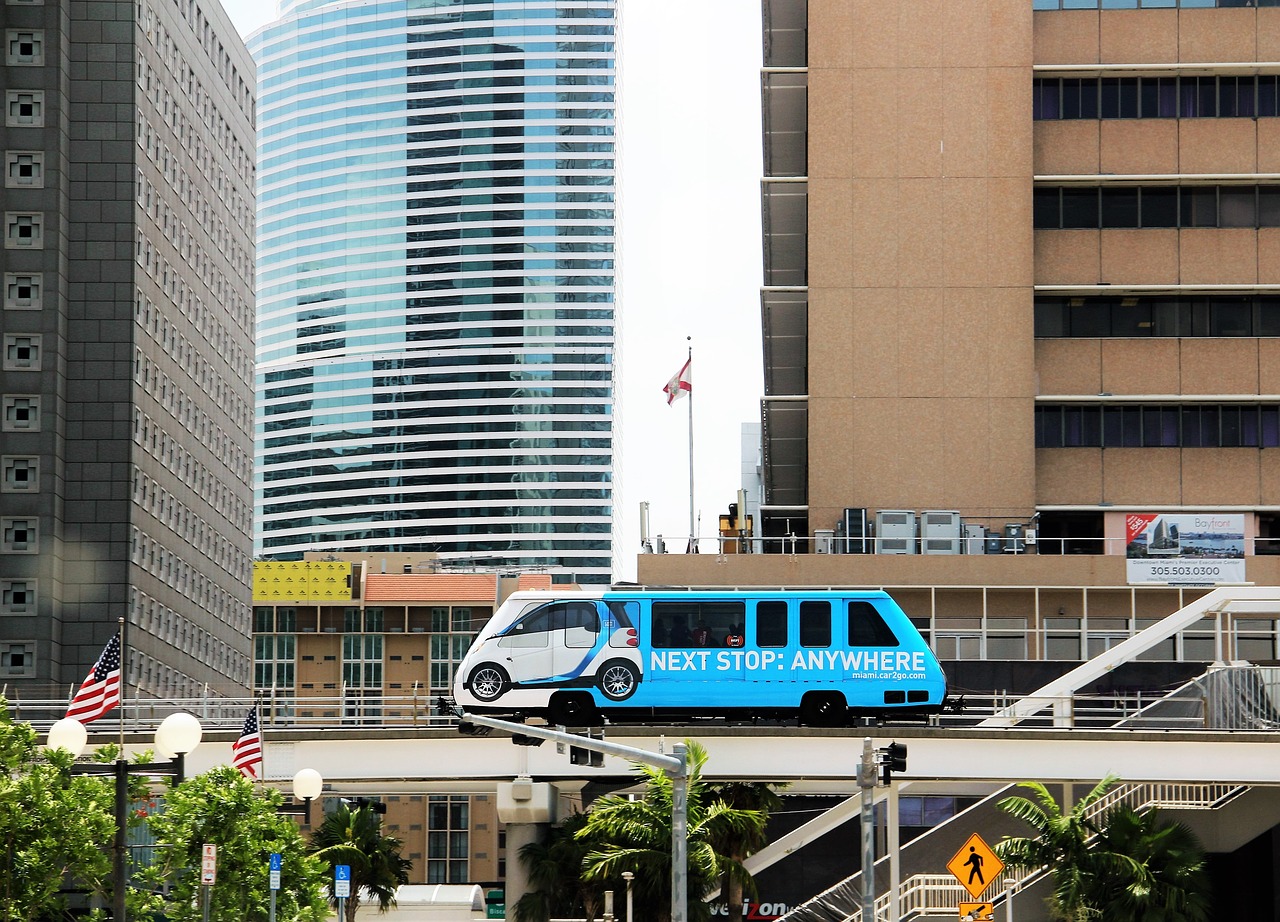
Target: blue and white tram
[637,654]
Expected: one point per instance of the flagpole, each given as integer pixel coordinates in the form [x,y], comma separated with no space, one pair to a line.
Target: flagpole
[262,741]
[693,530]
[122,626]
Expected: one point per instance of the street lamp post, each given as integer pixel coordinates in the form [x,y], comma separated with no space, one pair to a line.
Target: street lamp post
[628,877]
[177,735]
[307,785]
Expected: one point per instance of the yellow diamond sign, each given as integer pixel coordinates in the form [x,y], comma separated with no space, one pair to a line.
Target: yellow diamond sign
[975,865]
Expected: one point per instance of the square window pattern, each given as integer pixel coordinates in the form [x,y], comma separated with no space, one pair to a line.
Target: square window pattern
[24,46]
[17,597]
[21,352]
[20,413]
[24,168]
[22,291]
[18,536]
[18,659]
[23,230]
[24,108]
[19,474]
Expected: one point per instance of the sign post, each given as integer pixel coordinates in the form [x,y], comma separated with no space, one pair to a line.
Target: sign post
[342,887]
[975,866]
[277,862]
[208,876]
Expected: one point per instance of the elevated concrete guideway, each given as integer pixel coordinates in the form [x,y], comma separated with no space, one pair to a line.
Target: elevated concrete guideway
[397,760]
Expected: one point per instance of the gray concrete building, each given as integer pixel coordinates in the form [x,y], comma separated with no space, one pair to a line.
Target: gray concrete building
[127,356]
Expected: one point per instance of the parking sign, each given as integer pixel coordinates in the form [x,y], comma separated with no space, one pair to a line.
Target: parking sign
[342,881]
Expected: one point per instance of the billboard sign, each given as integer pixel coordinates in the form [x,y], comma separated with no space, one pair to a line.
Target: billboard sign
[1184,548]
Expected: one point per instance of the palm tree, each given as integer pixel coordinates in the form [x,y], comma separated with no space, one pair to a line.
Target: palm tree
[354,838]
[1125,866]
[761,797]
[635,835]
[556,887]
[1175,886]
[1062,843]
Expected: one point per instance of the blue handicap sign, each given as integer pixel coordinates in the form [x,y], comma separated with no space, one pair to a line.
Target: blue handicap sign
[342,872]
[277,861]
[342,880]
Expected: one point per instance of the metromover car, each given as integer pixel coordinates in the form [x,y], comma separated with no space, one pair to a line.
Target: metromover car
[824,656]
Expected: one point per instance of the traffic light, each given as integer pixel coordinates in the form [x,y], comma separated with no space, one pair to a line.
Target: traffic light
[523,739]
[580,756]
[894,760]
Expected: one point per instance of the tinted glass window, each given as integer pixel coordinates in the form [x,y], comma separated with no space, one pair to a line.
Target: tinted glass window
[815,624]
[771,624]
[867,627]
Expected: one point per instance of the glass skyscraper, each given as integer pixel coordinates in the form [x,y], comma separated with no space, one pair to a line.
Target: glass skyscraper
[436,281]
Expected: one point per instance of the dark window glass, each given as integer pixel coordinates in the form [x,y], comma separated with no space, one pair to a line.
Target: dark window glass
[1047,98]
[1049,427]
[1050,317]
[1112,427]
[1160,206]
[1090,317]
[1171,316]
[1120,206]
[1110,97]
[1047,208]
[1270,426]
[1237,207]
[1131,433]
[1249,427]
[1229,427]
[815,624]
[1267,95]
[1128,97]
[1082,427]
[1080,207]
[1168,97]
[1191,427]
[867,627]
[1131,317]
[1268,318]
[1268,207]
[1199,206]
[1227,97]
[1149,97]
[771,624]
[1231,317]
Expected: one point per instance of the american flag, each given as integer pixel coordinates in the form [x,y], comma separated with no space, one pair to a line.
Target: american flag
[100,691]
[246,752]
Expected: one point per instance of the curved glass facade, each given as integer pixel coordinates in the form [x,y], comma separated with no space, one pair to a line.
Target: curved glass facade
[436,281]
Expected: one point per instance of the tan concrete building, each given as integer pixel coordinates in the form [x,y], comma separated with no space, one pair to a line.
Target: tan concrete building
[372,641]
[1021,308]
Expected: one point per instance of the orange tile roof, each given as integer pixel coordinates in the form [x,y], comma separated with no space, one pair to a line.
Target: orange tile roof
[442,587]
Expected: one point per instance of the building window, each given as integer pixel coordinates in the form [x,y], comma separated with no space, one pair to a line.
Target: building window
[24,108]
[273,661]
[1116,206]
[20,414]
[22,292]
[18,659]
[21,352]
[23,230]
[19,474]
[19,536]
[1143,4]
[447,651]
[448,835]
[24,168]
[24,47]
[1143,316]
[1158,426]
[17,597]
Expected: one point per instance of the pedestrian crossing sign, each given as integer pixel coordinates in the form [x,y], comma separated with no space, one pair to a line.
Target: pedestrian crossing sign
[975,866]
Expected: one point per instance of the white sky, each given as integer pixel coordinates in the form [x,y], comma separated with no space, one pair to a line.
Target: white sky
[689,255]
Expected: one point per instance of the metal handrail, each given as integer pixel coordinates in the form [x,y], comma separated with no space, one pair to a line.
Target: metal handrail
[930,893]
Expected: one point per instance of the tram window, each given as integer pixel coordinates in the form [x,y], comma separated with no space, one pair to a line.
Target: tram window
[867,628]
[624,615]
[771,624]
[815,624]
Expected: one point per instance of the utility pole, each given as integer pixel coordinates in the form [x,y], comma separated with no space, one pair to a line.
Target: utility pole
[867,782]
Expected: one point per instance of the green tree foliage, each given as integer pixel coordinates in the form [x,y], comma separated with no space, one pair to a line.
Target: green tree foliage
[53,826]
[1122,866]
[223,808]
[556,887]
[740,843]
[635,835]
[354,838]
